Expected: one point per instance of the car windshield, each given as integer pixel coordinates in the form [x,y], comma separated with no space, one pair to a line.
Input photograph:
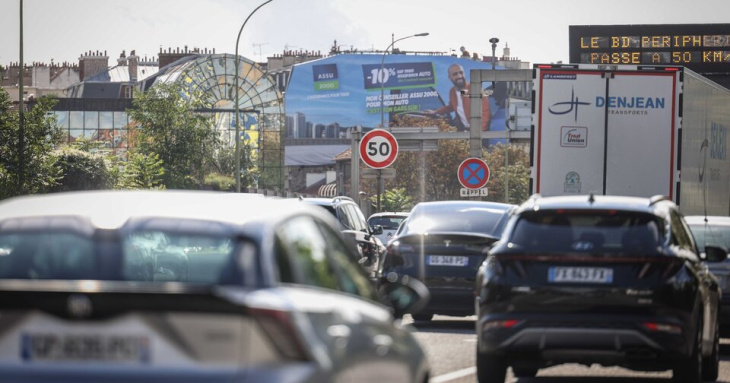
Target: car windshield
[711,234]
[387,222]
[150,256]
[456,219]
[590,232]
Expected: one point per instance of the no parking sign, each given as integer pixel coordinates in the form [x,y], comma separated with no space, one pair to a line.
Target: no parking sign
[473,175]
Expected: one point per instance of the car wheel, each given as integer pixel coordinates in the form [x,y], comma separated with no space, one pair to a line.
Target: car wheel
[422,317]
[490,369]
[690,370]
[524,372]
[711,364]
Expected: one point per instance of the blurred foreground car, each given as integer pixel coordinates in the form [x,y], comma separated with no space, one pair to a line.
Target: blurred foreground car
[715,230]
[388,222]
[93,288]
[443,244]
[614,281]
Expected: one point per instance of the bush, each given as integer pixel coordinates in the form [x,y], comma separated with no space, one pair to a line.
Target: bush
[80,171]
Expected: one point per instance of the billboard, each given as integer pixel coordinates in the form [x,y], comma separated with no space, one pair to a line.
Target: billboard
[703,48]
[325,98]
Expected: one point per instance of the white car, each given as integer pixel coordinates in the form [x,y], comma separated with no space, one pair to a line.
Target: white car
[389,221]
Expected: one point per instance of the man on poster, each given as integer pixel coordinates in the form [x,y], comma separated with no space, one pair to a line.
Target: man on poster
[459,102]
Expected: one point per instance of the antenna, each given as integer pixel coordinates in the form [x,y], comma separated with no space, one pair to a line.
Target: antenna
[259,46]
[287,46]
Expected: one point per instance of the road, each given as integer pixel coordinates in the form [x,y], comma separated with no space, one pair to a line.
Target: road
[450,343]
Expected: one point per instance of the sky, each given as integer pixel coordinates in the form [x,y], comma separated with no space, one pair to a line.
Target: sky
[536,31]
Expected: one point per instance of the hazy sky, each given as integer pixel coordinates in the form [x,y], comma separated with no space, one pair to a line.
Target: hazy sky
[535,30]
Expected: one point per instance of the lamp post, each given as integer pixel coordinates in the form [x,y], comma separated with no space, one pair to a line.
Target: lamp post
[21,110]
[382,76]
[494,42]
[238,128]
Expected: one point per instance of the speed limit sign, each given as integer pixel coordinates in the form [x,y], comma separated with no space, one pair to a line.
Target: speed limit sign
[378,148]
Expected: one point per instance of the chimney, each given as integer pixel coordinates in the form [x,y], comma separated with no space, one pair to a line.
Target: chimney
[133,61]
[92,63]
[122,60]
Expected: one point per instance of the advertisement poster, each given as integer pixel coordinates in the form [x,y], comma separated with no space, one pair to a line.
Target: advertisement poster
[325,98]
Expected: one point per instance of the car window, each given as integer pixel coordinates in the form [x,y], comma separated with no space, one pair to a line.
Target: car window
[680,233]
[593,231]
[455,219]
[302,254]
[175,257]
[345,217]
[357,218]
[47,256]
[711,234]
[350,275]
[387,222]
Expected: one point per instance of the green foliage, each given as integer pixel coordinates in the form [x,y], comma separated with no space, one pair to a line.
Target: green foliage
[81,170]
[518,179]
[168,126]
[224,166]
[31,169]
[87,145]
[142,171]
[215,181]
[394,200]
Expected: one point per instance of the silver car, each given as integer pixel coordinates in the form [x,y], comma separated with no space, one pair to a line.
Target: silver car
[715,230]
[389,221]
[193,287]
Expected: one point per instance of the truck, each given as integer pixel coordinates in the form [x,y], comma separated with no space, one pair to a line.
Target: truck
[633,130]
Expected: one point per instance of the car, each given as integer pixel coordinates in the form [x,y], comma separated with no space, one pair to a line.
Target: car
[270,293]
[353,225]
[593,279]
[442,244]
[715,230]
[388,222]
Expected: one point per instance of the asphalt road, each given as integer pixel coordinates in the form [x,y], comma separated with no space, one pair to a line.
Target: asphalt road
[450,343]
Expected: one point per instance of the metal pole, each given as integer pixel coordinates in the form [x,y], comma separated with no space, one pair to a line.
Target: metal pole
[381,75]
[238,128]
[21,110]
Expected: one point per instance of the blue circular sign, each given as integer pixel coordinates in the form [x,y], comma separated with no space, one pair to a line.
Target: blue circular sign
[473,173]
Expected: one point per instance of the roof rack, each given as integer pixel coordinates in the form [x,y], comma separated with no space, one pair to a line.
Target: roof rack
[658,198]
[345,198]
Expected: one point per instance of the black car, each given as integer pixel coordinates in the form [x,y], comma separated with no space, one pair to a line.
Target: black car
[614,281]
[442,244]
[354,225]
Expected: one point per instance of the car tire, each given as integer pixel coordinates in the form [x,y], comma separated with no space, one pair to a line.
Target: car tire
[690,369]
[422,317]
[524,372]
[711,364]
[490,368]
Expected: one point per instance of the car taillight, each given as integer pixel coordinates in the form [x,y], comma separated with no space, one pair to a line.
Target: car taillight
[279,328]
[394,254]
[500,324]
[663,327]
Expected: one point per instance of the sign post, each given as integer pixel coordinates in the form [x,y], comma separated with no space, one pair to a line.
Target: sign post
[378,150]
[473,175]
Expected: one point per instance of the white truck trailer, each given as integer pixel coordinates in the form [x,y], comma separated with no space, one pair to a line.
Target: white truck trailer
[631,130]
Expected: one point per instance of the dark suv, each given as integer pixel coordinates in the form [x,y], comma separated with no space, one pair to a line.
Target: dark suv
[354,225]
[614,281]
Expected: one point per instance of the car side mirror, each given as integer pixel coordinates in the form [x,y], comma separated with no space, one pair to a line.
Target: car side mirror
[404,294]
[377,229]
[715,253]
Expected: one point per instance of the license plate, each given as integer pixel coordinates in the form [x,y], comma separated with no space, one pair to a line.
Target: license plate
[580,275]
[85,347]
[447,260]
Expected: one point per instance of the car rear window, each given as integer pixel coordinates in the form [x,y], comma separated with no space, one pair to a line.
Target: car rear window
[588,231]
[388,223]
[711,234]
[149,256]
[457,219]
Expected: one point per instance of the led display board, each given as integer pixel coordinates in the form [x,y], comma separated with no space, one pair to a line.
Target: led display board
[703,48]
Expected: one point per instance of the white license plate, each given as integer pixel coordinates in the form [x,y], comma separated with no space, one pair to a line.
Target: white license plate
[447,260]
[580,275]
[85,348]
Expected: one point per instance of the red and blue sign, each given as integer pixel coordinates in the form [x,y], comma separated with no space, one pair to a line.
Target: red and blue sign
[473,173]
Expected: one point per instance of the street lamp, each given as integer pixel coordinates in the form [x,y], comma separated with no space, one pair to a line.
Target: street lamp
[494,42]
[238,128]
[381,75]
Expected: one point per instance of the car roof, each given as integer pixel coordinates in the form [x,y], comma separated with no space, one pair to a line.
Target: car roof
[463,204]
[654,205]
[390,214]
[711,220]
[111,209]
[327,201]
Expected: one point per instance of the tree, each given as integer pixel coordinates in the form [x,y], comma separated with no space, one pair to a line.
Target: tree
[142,171]
[168,126]
[81,170]
[30,169]
[519,172]
[394,199]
